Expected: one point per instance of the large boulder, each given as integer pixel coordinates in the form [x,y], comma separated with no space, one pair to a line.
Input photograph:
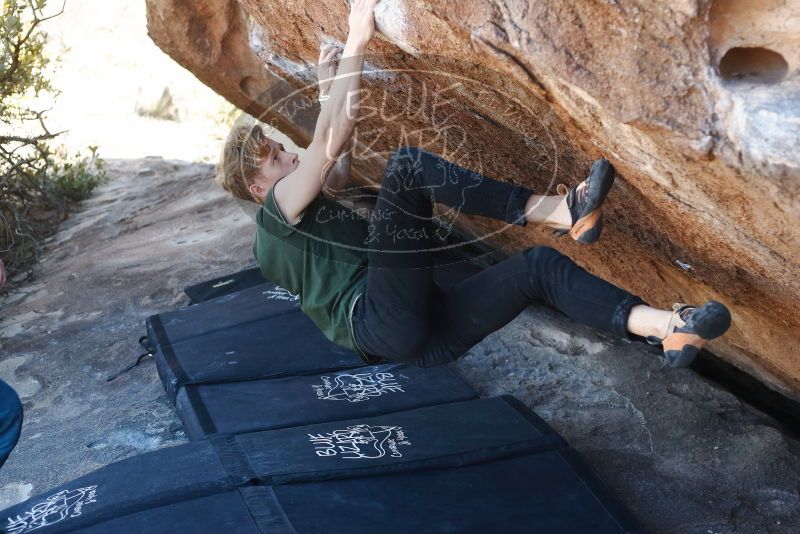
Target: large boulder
[695,102]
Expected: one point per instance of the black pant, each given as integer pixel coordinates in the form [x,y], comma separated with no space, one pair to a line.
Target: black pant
[402,318]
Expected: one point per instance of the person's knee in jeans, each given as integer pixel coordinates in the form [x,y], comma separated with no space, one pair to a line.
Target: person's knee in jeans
[408,347]
[10,420]
[541,255]
[542,262]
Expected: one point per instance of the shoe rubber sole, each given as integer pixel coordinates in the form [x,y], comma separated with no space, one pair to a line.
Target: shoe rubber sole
[588,227]
[707,322]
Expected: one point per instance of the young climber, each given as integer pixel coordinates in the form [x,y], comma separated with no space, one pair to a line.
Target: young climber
[10,407]
[368,283]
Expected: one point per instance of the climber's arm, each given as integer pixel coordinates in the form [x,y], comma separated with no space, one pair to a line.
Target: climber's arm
[336,120]
[340,174]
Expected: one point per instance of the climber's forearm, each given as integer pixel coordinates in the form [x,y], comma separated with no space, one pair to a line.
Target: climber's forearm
[337,118]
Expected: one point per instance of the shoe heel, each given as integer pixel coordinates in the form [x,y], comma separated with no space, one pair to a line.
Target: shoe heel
[592,234]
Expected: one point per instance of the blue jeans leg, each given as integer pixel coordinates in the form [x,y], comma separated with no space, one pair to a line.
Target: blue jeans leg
[10,420]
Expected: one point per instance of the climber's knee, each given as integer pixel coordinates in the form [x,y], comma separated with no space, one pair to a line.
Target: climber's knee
[408,347]
[541,257]
[542,265]
[411,351]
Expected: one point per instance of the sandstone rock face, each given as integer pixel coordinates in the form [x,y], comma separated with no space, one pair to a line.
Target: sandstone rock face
[696,103]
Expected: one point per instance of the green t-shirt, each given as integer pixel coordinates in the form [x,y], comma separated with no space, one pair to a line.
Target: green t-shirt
[323,259]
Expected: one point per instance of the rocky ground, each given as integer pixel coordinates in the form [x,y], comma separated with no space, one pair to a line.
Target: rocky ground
[684,455]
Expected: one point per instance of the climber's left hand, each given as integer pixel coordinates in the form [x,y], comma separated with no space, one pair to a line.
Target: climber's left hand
[326,70]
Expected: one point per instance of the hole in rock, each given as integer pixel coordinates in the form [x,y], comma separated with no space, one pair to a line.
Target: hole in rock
[249,86]
[754,64]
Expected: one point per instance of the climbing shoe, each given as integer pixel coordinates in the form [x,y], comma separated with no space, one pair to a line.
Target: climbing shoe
[585,202]
[689,328]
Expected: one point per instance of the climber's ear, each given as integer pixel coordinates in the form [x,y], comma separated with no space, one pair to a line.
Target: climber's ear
[258,191]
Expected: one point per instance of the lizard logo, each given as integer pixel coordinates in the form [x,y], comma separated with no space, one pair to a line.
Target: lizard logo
[54,509]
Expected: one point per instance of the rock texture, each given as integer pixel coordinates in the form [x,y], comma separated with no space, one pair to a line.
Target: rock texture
[695,102]
[684,455]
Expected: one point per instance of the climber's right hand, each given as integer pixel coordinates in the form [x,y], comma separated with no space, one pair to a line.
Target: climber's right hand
[362,20]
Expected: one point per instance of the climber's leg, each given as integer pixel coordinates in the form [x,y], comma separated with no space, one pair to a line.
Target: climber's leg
[396,304]
[645,321]
[490,299]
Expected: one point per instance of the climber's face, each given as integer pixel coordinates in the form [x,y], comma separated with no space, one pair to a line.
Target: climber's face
[275,164]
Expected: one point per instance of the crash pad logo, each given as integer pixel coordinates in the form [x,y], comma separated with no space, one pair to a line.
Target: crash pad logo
[356,387]
[54,509]
[279,293]
[360,441]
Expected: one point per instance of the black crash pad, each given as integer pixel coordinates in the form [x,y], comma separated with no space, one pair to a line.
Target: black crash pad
[470,476]
[224,285]
[277,346]
[138,483]
[434,436]
[550,492]
[226,513]
[238,407]
[256,302]
[251,304]
[473,466]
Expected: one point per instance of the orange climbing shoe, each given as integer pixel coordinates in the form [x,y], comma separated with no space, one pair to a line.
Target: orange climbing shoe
[585,202]
[689,328]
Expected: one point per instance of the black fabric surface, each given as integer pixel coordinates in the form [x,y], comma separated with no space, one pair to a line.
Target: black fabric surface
[539,493]
[252,304]
[257,332]
[550,491]
[473,466]
[430,437]
[280,345]
[224,285]
[139,483]
[302,400]
[221,513]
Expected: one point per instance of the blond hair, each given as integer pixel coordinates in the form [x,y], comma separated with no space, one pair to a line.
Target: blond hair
[244,149]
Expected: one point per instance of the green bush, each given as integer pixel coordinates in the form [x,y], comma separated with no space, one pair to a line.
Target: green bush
[37,184]
[75,177]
